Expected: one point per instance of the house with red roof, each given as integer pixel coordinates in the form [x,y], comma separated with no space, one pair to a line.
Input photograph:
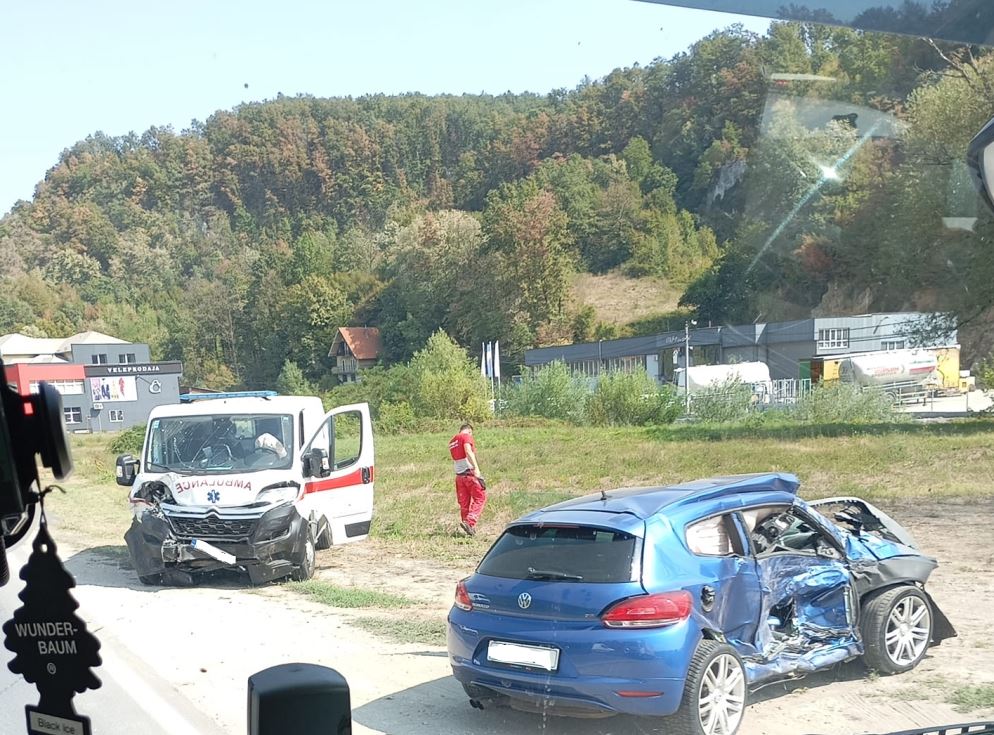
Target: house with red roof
[354,349]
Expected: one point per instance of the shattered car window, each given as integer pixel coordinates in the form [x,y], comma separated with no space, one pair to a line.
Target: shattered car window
[790,532]
[205,444]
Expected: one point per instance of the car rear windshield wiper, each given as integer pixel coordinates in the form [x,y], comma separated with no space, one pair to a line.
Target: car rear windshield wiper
[549,574]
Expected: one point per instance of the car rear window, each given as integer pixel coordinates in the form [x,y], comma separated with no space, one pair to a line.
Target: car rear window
[562,553]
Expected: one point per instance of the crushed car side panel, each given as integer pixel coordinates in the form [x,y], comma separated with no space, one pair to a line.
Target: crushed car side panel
[808,619]
[882,553]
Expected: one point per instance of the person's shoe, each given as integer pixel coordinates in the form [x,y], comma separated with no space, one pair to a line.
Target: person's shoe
[467,529]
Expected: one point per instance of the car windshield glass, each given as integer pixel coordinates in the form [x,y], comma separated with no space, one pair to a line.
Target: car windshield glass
[220,444]
[561,554]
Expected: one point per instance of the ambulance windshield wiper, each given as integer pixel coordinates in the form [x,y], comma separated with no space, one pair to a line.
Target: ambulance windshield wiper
[549,574]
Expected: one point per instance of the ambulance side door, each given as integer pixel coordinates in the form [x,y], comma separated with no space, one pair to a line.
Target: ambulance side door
[338,475]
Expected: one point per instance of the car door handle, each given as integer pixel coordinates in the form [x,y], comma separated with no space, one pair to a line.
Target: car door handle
[366,475]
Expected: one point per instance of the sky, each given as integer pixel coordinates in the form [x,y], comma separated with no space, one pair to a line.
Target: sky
[70,68]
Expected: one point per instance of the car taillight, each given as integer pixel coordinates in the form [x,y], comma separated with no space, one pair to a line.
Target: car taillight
[649,611]
[462,600]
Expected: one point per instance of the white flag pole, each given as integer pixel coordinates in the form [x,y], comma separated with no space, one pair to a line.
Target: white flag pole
[483,360]
[490,367]
[497,368]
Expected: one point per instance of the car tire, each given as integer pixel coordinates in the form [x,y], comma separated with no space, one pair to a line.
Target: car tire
[304,568]
[152,580]
[715,669]
[897,629]
[324,537]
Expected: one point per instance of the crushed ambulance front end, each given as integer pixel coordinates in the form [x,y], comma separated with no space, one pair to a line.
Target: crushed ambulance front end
[184,526]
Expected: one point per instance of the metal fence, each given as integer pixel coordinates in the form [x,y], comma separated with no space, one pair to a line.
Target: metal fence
[788,390]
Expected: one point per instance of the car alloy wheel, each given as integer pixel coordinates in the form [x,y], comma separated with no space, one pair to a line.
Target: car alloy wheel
[715,694]
[721,699]
[909,626]
[896,627]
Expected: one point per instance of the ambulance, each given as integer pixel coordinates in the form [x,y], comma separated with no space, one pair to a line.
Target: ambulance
[249,482]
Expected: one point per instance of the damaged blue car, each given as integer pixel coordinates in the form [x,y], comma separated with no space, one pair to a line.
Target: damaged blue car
[679,601]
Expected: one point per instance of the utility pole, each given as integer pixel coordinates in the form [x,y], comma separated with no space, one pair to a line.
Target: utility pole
[686,362]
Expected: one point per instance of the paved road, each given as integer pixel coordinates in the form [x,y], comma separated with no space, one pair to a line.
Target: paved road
[133,698]
[177,661]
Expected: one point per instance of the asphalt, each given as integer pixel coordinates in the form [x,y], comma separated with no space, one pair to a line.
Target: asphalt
[133,698]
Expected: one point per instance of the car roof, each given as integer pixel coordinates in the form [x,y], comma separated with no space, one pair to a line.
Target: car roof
[227,406]
[644,502]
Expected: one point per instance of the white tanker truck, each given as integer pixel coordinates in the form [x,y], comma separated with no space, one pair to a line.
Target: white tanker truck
[904,375]
[702,377]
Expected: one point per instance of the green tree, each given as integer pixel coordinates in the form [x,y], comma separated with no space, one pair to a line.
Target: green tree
[526,230]
[291,381]
[446,383]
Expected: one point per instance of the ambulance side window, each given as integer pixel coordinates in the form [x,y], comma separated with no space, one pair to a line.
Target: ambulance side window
[348,438]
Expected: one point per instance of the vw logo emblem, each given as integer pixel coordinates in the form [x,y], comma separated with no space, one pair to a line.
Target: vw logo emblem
[524,601]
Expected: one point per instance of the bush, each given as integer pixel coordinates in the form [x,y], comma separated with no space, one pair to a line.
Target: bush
[129,441]
[984,370]
[396,418]
[632,399]
[843,403]
[446,383]
[728,401]
[553,393]
[377,385]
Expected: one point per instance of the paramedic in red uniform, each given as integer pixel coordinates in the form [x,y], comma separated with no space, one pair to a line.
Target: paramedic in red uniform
[470,488]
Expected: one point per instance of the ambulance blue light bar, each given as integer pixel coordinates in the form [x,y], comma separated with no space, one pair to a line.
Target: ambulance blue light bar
[190,397]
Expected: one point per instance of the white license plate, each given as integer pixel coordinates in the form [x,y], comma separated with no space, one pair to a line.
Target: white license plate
[538,657]
[211,550]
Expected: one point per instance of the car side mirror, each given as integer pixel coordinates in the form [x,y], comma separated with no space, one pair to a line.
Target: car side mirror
[316,463]
[980,159]
[126,470]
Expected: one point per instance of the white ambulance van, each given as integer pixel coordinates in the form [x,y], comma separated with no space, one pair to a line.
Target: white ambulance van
[252,482]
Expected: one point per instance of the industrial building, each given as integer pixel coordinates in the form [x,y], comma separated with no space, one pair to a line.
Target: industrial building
[786,347]
[107,384]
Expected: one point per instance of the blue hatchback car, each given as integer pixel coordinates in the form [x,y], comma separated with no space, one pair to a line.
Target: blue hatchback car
[677,601]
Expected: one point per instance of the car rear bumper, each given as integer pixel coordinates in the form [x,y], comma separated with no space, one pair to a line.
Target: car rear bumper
[266,552]
[578,698]
[601,671]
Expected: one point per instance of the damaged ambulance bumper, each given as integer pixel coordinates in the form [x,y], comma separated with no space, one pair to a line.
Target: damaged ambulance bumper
[176,547]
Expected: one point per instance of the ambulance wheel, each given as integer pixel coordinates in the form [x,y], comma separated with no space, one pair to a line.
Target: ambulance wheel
[324,537]
[304,568]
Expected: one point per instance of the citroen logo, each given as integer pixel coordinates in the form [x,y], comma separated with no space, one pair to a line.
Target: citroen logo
[524,601]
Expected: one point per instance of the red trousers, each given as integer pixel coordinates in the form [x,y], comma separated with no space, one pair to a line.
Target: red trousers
[471,497]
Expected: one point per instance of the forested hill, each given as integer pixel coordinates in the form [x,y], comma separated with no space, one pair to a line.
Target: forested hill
[248,239]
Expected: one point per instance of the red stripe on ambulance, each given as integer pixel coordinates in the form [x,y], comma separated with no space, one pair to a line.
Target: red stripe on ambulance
[336,483]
